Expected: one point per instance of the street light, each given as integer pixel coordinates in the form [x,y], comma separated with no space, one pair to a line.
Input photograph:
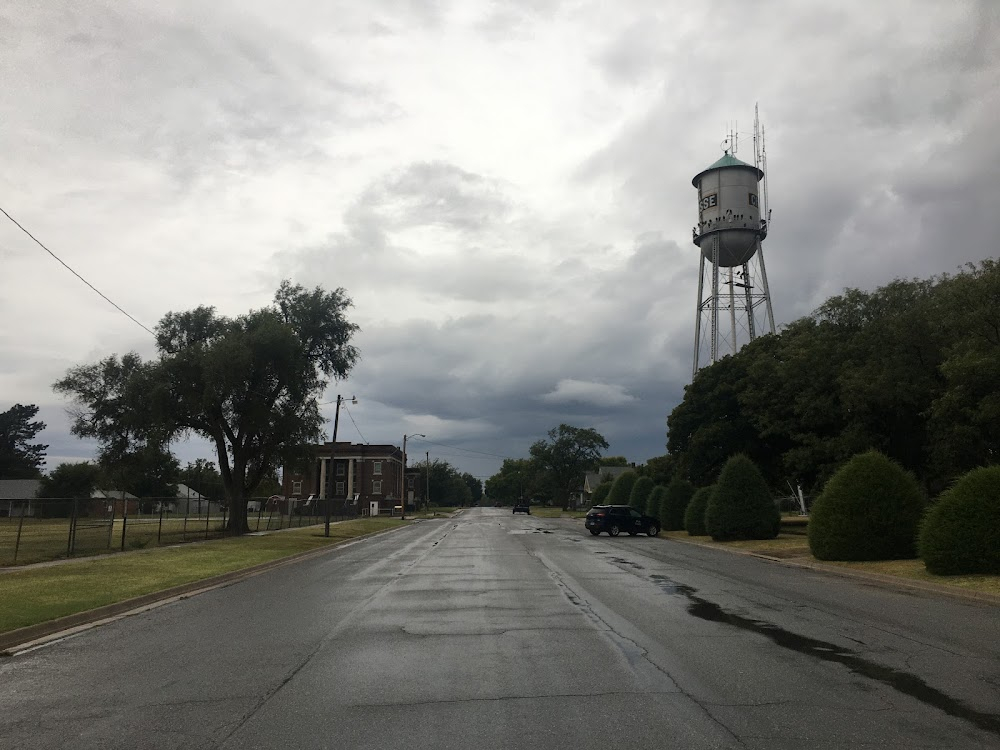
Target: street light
[333,456]
[402,474]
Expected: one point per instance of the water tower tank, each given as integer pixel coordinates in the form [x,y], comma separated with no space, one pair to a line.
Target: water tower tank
[728,208]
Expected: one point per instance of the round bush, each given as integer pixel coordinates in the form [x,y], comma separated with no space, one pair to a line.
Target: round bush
[675,502]
[600,493]
[870,509]
[741,506]
[961,531]
[655,502]
[641,491]
[621,488]
[694,516]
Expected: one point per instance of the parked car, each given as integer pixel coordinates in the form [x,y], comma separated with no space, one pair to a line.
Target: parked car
[615,519]
[522,508]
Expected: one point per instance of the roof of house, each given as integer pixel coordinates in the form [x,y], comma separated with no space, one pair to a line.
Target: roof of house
[593,478]
[19,489]
[184,492]
[112,495]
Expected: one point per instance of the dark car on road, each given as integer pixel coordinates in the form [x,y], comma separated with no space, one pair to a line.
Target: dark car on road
[522,508]
[615,519]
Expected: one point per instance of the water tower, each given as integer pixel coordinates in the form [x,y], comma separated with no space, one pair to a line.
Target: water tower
[733,220]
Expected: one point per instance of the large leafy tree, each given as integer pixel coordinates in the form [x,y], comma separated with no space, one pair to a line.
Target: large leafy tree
[568,453]
[249,384]
[517,478]
[66,483]
[19,457]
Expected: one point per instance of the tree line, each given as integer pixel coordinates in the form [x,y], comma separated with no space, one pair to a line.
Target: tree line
[910,369]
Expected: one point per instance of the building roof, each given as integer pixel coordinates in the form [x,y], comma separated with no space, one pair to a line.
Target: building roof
[111,495]
[593,478]
[727,160]
[184,492]
[19,489]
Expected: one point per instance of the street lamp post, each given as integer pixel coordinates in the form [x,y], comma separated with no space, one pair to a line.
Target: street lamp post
[402,476]
[333,456]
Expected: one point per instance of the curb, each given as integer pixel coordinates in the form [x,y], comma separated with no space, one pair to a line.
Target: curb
[881,578]
[31,636]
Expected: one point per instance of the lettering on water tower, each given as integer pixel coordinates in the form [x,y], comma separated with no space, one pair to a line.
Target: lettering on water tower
[709,201]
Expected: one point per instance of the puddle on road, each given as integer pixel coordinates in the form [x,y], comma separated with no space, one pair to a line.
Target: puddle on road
[627,563]
[904,682]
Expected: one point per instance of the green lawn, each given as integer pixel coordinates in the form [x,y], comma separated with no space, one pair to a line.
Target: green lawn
[31,596]
[44,539]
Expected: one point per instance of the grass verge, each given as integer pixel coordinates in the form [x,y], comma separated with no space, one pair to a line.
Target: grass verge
[28,597]
[795,547]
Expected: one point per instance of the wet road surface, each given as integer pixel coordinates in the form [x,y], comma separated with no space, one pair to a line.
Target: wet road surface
[498,631]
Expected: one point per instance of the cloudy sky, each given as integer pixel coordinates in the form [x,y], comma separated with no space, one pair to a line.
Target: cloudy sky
[503,188]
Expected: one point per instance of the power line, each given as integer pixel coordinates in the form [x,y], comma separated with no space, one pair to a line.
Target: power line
[354,423]
[460,448]
[68,268]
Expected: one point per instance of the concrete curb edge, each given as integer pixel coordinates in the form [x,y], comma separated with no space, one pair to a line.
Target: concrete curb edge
[888,580]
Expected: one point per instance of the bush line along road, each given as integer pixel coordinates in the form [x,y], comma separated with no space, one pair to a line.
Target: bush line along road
[491,630]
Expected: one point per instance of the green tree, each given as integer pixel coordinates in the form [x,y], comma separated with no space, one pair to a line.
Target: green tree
[148,472]
[202,477]
[639,495]
[741,506]
[248,384]
[961,532]
[600,494]
[66,483]
[517,478]
[447,485]
[621,488]
[612,461]
[694,516]
[660,469]
[675,501]
[475,487]
[654,504]
[869,510]
[19,457]
[568,453]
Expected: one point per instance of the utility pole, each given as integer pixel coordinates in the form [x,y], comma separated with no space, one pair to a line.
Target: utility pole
[427,477]
[333,458]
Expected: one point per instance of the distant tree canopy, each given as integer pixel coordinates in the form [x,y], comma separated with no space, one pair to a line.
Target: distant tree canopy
[568,453]
[447,485]
[517,478]
[911,369]
[19,457]
[249,384]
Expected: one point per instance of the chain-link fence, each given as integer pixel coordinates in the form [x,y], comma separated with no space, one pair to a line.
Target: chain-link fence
[39,530]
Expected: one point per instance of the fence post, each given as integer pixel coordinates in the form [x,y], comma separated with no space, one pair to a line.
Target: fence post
[184,529]
[20,525]
[71,542]
[111,528]
[159,528]
[124,518]
[270,515]
[260,512]
[208,513]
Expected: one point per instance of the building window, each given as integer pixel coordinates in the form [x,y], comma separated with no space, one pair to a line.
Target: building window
[340,469]
[377,467]
[377,487]
[340,488]
[409,482]
[297,488]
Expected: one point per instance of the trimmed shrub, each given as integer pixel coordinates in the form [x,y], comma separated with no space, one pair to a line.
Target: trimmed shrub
[741,506]
[675,502]
[655,502]
[641,490]
[870,509]
[621,488]
[600,493]
[961,531]
[694,516]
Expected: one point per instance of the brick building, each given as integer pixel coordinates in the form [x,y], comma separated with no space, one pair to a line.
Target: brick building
[353,476]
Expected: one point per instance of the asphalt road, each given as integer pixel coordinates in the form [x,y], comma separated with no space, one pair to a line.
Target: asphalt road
[500,631]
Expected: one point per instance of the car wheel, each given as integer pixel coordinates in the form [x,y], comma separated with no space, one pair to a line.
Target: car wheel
[613,530]
[653,529]
[595,532]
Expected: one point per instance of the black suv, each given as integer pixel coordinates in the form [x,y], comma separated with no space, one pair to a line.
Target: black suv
[617,518]
[522,508]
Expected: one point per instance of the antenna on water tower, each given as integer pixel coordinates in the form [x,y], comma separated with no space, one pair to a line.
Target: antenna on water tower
[733,220]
